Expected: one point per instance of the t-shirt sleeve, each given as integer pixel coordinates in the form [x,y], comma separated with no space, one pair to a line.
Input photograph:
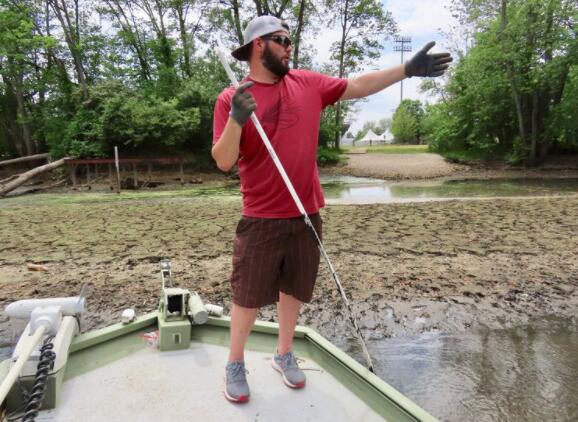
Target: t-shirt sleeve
[221,115]
[331,89]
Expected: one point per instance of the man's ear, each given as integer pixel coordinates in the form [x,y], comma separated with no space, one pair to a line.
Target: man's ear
[259,44]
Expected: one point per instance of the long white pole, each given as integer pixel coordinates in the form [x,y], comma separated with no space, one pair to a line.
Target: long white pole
[14,372]
[265,138]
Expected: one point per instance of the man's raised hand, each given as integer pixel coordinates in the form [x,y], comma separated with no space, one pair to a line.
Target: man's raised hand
[242,104]
[430,65]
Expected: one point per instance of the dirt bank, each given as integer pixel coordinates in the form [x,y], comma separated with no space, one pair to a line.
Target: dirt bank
[429,166]
[406,267]
[397,166]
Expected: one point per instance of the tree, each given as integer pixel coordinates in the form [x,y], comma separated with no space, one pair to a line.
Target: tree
[70,22]
[364,26]
[526,50]
[19,44]
[406,125]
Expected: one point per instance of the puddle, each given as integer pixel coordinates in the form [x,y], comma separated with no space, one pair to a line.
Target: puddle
[359,190]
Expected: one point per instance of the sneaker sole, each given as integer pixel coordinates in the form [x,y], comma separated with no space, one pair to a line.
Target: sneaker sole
[240,399]
[285,380]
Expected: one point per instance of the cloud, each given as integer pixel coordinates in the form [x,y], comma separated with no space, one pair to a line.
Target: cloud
[420,17]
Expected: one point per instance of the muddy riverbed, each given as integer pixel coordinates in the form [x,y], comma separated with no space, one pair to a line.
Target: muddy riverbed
[408,268]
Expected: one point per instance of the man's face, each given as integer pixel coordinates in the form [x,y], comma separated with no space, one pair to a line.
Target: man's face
[275,57]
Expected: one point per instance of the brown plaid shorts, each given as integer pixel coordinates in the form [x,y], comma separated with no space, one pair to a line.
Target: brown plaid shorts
[272,256]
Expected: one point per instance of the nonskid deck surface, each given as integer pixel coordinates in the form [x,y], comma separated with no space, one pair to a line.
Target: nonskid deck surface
[188,385]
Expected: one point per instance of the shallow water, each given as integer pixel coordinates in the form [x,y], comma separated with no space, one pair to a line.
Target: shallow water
[359,190]
[337,190]
[524,374]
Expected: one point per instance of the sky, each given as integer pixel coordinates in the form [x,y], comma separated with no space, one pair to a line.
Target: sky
[419,19]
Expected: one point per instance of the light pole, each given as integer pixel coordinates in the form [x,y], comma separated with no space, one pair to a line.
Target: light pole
[402,44]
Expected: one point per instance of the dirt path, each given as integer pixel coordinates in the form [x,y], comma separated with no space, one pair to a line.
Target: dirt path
[407,267]
[398,166]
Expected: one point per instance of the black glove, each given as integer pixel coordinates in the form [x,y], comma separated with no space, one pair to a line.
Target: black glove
[242,104]
[423,64]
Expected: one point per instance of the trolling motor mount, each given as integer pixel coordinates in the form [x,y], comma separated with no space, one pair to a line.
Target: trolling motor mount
[178,310]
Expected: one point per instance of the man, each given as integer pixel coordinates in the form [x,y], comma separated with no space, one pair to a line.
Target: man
[275,259]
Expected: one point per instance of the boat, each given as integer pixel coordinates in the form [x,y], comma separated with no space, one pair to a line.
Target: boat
[168,365]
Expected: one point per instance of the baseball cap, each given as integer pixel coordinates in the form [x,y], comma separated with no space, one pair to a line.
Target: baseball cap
[259,26]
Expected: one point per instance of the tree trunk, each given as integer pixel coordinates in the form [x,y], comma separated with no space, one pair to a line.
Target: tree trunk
[516,96]
[73,43]
[27,158]
[24,177]
[237,20]
[184,40]
[135,40]
[29,147]
[297,41]
[258,7]
[166,46]
[341,69]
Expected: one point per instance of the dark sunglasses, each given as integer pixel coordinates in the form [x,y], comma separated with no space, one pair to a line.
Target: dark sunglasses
[279,39]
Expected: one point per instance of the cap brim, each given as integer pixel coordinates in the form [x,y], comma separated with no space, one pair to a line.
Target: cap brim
[242,53]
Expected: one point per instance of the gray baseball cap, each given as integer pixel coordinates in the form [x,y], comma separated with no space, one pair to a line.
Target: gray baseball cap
[261,25]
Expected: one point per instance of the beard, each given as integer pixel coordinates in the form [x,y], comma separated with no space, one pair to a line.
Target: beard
[273,63]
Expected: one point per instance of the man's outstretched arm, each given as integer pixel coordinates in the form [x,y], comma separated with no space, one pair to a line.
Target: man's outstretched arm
[422,64]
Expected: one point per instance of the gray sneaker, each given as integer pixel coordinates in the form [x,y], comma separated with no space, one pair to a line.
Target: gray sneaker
[236,389]
[287,365]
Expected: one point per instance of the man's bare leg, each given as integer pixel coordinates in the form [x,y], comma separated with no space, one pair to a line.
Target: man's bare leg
[242,320]
[288,310]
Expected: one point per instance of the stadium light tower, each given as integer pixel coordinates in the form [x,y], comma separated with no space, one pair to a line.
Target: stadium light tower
[402,44]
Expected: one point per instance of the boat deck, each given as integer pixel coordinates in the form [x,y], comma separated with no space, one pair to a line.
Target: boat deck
[148,385]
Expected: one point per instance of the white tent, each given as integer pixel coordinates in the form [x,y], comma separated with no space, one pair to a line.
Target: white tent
[347,139]
[370,138]
[387,137]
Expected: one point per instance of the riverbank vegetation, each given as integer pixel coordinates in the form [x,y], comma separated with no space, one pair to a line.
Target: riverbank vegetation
[78,78]
[513,93]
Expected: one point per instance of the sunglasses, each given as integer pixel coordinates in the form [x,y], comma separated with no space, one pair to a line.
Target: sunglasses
[279,39]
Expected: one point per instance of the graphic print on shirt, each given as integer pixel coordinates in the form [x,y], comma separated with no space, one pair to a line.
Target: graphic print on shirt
[284,114]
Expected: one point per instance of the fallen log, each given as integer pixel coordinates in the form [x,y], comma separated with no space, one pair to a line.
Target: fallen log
[35,189]
[35,157]
[4,181]
[24,177]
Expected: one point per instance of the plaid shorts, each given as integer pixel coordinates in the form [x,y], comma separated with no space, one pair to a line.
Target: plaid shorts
[272,256]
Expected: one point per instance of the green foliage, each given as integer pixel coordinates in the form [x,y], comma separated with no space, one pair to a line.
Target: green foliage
[328,128]
[397,149]
[116,115]
[562,126]
[406,125]
[201,92]
[514,94]
[328,156]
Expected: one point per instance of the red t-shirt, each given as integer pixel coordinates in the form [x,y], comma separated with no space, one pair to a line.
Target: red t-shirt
[290,112]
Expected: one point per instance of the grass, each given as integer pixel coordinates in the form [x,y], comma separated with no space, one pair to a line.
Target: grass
[95,197]
[390,149]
